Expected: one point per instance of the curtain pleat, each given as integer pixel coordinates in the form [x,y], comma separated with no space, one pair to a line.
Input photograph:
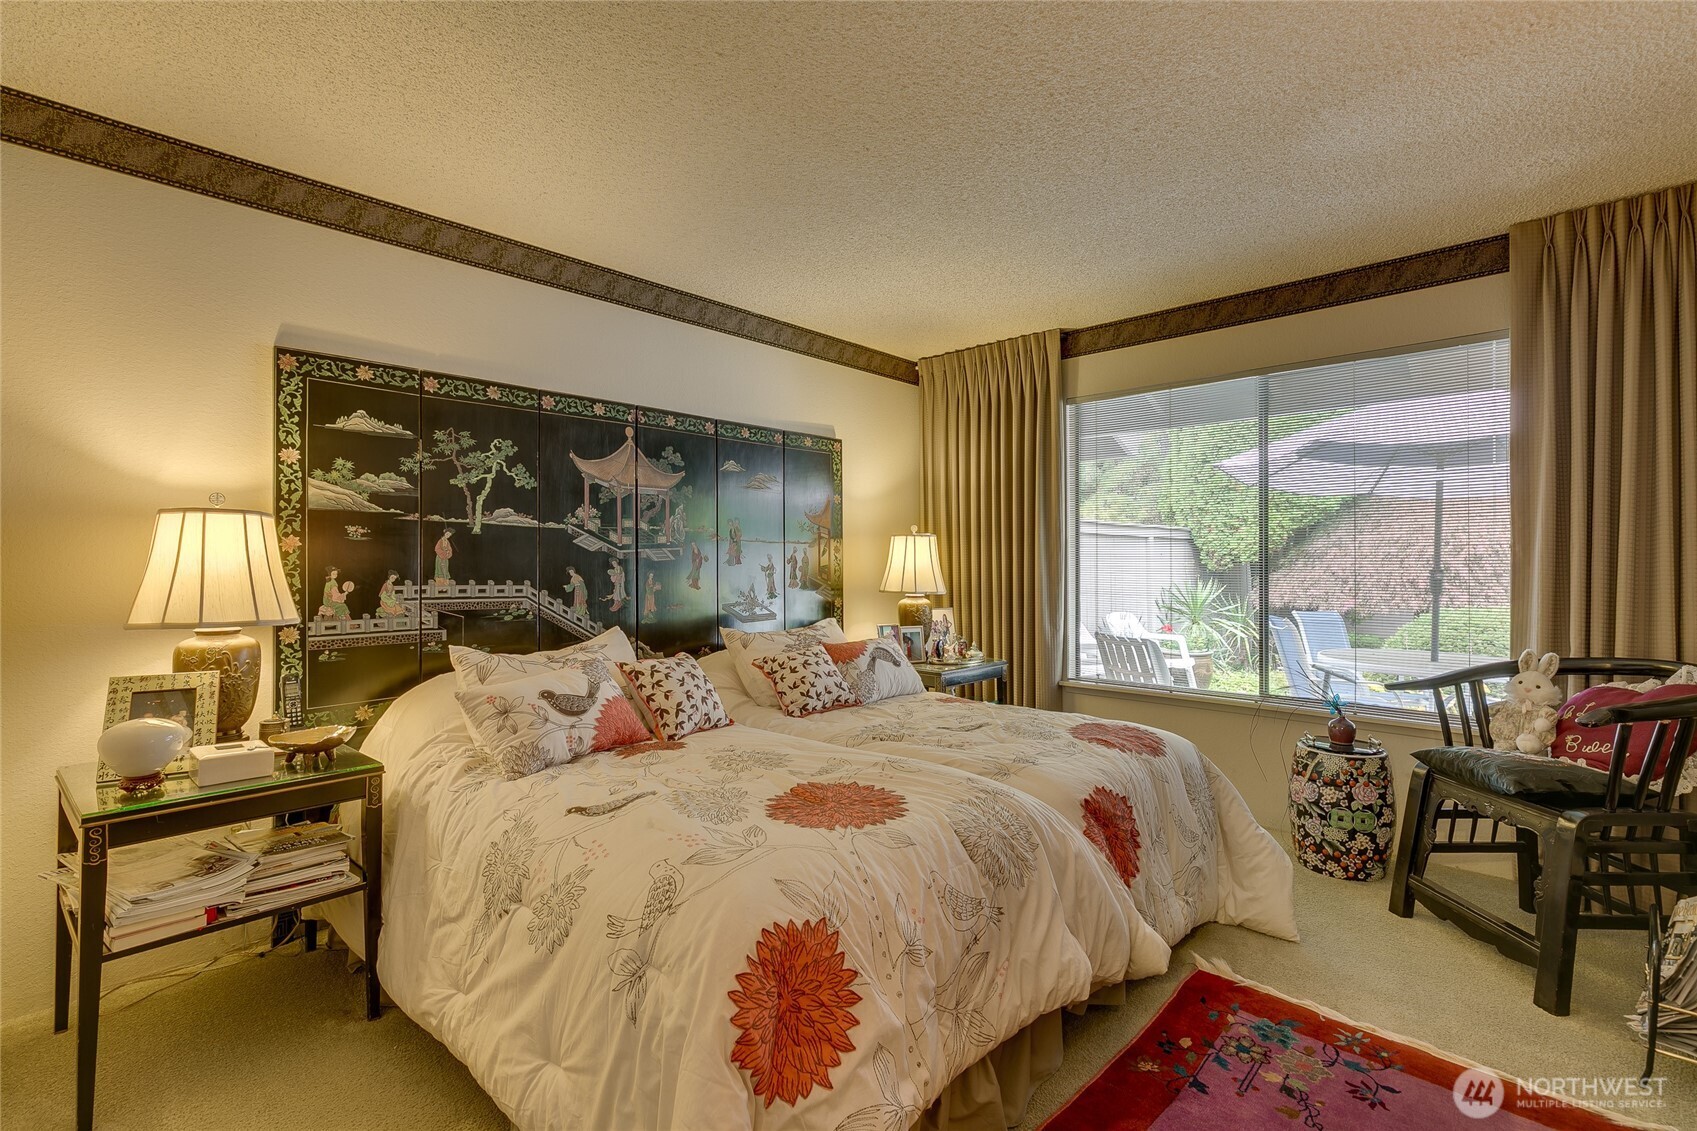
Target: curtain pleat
[1603,378]
[990,465]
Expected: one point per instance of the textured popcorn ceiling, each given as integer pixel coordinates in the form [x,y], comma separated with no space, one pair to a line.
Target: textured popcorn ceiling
[918,177]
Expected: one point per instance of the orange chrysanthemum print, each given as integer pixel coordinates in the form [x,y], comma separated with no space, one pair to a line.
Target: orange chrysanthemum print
[836,805]
[846,653]
[618,725]
[1121,736]
[794,1007]
[1111,826]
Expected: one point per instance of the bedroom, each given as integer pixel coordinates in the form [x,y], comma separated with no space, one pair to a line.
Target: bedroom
[842,183]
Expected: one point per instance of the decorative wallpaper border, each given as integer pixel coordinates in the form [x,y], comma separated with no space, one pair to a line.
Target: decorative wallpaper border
[66,131]
[1410,273]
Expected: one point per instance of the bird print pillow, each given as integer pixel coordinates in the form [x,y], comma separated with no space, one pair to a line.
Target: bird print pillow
[806,682]
[875,669]
[676,695]
[746,647]
[474,667]
[552,716]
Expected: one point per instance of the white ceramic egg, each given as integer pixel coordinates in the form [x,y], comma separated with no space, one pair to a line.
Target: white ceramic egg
[140,748]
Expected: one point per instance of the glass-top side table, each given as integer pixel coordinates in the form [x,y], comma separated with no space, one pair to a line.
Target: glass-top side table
[940,675]
[96,817]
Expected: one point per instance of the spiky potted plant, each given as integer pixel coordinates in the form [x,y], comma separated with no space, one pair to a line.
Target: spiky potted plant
[1211,620]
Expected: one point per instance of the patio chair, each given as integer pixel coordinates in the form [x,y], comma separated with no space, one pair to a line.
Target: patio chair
[1324,630]
[1294,659]
[1173,644]
[1133,659]
[1593,850]
[1307,683]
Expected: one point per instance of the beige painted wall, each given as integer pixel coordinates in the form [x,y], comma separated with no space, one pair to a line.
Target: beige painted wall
[1253,743]
[138,327]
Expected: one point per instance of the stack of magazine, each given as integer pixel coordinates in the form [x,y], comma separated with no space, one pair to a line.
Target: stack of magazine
[1675,1032]
[164,888]
[295,863]
[174,887]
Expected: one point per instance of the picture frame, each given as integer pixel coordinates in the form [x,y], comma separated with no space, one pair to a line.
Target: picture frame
[942,628]
[890,632]
[913,641]
[189,697]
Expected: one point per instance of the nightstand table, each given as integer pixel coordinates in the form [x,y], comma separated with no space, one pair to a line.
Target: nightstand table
[96,817]
[945,676]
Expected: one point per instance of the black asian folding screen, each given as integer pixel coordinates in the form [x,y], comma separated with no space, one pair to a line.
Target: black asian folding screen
[417,510]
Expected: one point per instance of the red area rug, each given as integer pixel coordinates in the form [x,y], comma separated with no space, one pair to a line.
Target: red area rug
[1224,1053]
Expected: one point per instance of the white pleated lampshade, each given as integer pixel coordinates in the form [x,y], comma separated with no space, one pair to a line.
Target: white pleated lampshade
[914,566]
[213,568]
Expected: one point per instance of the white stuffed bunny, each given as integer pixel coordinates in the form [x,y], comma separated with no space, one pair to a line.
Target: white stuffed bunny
[1526,719]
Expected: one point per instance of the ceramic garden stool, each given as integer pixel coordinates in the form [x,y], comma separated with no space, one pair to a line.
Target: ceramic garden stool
[1342,808]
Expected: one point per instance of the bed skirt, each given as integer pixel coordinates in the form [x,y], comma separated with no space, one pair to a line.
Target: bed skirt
[993,1093]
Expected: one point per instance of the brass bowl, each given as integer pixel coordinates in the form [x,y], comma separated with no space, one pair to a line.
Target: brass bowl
[313,740]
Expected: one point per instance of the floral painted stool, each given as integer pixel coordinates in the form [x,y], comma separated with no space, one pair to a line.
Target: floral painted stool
[1342,808]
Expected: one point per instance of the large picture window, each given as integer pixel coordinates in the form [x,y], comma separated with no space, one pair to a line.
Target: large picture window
[1301,533]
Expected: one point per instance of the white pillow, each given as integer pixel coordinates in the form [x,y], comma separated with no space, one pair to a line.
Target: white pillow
[475,667]
[746,647]
[418,716]
[875,669]
[550,717]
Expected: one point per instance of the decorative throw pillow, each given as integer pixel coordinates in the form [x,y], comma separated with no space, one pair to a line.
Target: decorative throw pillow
[746,647]
[875,669]
[676,695]
[1594,746]
[806,682]
[550,717]
[474,667]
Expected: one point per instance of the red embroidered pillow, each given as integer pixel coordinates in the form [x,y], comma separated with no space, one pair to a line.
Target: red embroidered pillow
[806,682]
[1595,745]
[676,695]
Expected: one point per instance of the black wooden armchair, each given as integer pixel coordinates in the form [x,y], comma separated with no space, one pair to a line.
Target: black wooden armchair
[1593,850]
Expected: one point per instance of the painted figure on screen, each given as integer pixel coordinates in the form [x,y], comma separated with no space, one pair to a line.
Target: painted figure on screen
[444,552]
[696,560]
[389,603]
[733,534]
[335,596]
[650,598]
[616,575]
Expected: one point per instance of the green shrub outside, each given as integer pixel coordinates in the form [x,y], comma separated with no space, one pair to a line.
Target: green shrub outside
[1479,632]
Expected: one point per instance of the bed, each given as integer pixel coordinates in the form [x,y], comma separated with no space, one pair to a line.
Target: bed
[742,928]
[1176,831]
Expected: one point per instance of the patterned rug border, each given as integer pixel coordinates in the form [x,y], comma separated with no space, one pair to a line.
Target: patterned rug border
[1220,969]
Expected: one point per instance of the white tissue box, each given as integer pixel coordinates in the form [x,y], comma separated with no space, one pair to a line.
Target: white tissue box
[231,761]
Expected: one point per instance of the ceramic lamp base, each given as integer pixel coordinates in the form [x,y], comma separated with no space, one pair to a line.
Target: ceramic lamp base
[234,655]
[915,608]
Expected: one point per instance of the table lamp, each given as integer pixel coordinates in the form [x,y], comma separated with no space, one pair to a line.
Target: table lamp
[214,571]
[916,570]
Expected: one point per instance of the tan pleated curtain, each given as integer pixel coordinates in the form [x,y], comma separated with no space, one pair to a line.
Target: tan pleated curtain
[1603,363]
[990,468]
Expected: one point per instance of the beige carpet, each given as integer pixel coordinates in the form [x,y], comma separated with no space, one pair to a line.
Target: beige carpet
[280,1041]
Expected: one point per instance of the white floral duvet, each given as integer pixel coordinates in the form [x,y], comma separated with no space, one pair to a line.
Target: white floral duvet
[741,929]
[1175,830]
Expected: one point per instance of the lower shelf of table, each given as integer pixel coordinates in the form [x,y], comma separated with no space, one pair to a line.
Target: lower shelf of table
[107,954]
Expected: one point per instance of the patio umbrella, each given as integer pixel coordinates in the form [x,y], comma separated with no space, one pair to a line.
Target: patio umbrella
[1428,448]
